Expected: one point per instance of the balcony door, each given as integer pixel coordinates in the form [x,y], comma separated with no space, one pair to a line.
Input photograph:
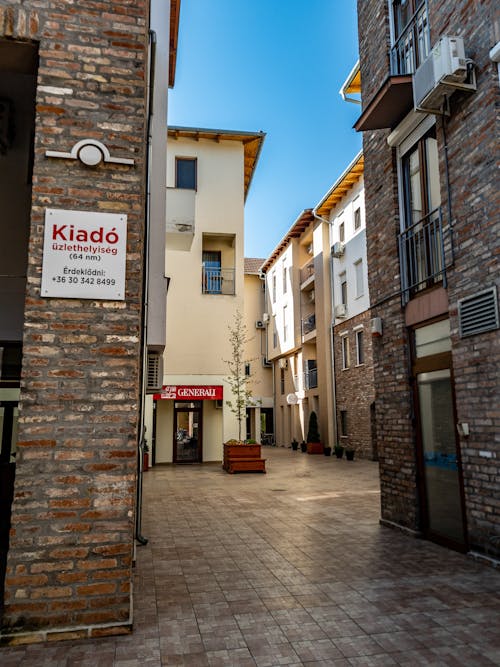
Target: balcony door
[212,274]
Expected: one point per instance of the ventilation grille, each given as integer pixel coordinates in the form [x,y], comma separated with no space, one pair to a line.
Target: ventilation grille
[155,372]
[478,313]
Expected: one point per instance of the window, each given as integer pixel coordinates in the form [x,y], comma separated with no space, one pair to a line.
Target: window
[342,232]
[358,271]
[185,173]
[343,423]
[247,369]
[422,240]
[357,219]
[285,323]
[343,287]
[410,35]
[284,279]
[273,279]
[345,352]
[360,355]
[282,381]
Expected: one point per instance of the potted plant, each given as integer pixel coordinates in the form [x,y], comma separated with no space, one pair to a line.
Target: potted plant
[303,446]
[314,445]
[339,451]
[349,453]
[295,445]
[327,451]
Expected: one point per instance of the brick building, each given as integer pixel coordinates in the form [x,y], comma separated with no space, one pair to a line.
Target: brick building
[430,131]
[74,162]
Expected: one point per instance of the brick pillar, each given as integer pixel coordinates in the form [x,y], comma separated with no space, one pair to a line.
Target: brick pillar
[71,546]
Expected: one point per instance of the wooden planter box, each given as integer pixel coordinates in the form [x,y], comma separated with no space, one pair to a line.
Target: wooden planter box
[243,458]
[314,448]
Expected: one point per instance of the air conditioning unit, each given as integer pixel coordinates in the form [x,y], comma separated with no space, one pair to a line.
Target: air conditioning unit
[283,363]
[154,380]
[266,363]
[259,324]
[265,317]
[338,249]
[442,72]
[340,310]
[311,296]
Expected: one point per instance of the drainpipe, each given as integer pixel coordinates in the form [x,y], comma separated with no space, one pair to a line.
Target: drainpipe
[332,339]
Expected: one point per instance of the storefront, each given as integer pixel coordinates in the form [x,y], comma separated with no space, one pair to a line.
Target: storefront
[188,424]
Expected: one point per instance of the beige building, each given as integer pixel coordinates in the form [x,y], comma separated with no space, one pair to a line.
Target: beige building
[319,329]
[208,177]
[299,314]
[260,415]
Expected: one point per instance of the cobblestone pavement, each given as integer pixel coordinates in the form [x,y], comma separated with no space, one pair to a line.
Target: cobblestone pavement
[288,568]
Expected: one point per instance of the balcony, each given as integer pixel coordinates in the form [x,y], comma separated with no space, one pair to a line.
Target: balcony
[425,251]
[308,324]
[218,281]
[180,218]
[394,99]
[307,274]
[413,44]
[311,378]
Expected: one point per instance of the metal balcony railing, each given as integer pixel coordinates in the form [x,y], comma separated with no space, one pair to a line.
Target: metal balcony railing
[425,252]
[308,324]
[311,378]
[413,44]
[307,271]
[218,281]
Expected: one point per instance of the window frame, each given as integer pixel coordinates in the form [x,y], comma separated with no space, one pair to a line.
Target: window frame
[360,351]
[184,159]
[344,342]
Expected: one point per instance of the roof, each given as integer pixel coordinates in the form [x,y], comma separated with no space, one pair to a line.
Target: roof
[175,8]
[342,185]
[352,85]
[252,144]
[253,264]
[297,229]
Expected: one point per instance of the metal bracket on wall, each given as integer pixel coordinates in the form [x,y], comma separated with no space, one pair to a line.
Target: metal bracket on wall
[91,152]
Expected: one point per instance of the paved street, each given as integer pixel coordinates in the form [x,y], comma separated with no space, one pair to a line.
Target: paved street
[289,568]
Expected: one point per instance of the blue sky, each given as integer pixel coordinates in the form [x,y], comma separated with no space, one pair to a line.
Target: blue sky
[275,66]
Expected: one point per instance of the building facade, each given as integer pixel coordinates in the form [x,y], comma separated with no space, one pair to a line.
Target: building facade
[260,415]
[208,177]
[430,93]
[75,157]
[351,329]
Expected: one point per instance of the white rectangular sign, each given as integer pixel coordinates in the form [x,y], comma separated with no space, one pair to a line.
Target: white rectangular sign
[84,255]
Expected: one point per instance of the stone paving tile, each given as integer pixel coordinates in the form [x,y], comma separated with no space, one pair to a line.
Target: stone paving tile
[289,568]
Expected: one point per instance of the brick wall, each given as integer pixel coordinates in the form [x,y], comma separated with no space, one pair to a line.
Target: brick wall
[354,388]
[69,563]
[473,163]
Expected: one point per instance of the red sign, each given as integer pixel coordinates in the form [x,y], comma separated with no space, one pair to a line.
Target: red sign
[187,392]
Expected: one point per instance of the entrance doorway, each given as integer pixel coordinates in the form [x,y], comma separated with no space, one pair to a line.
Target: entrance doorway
[188,431]
[18,70]
[438,450]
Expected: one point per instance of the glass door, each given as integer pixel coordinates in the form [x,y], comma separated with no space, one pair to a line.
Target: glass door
[439,454]
[438,451]
[187,432]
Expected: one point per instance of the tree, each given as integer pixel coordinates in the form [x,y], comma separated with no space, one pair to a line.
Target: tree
[237,378]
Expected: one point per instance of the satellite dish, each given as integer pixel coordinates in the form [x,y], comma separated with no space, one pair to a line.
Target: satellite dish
[292,399]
